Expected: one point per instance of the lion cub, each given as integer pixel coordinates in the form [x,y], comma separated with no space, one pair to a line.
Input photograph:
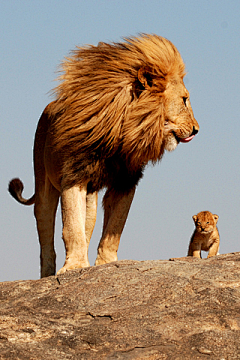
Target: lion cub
[205,236]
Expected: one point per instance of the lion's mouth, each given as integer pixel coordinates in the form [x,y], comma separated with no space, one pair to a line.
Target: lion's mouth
[186,139]
[183,140]
[204,231]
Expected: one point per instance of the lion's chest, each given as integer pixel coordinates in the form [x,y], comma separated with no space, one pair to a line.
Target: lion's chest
[205,239]
[112,173]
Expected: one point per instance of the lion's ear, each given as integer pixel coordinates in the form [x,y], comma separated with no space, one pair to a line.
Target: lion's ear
[145,77]
[150,81]
[194,218]
[216,217]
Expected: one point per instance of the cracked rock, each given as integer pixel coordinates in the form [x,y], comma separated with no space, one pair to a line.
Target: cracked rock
[179,309]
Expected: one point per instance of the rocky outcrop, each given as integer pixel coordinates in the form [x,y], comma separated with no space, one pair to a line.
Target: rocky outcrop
[185,308]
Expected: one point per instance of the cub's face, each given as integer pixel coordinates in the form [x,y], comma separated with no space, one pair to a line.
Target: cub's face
[205,222]
[180,124]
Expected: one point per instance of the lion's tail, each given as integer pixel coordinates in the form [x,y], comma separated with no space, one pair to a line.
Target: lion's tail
[15,188]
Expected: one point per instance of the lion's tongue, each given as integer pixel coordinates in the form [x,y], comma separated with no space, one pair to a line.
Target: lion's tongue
[187,139]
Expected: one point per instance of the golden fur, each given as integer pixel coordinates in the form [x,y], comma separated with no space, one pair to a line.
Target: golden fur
[206,235]
[118,106]
[113,101]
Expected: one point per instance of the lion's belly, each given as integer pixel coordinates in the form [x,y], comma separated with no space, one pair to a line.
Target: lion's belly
[101,173]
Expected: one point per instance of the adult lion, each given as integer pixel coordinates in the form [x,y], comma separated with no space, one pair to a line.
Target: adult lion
[118,106]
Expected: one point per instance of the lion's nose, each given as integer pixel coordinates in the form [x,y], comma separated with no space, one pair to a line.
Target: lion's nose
[195,131]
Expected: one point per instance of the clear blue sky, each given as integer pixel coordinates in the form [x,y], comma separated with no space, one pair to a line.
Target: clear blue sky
[201,175]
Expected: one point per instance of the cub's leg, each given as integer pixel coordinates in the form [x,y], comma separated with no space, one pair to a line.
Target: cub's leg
[116,208]
[91,215]
[197,253]
[46,202]
[194,250]
[214,249]
[73,202]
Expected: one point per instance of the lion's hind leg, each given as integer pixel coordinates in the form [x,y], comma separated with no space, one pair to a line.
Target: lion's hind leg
[46,203]
[73,203]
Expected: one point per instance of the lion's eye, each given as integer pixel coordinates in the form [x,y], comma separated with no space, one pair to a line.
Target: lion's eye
[185,100]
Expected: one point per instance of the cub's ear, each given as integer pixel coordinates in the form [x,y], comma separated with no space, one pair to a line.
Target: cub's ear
[150,81]
[194,218]
[216,217]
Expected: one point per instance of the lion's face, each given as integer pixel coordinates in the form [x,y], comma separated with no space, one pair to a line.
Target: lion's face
[205,222]
[180,124]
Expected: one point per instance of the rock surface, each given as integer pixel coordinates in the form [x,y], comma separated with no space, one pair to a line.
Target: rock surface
[181,309]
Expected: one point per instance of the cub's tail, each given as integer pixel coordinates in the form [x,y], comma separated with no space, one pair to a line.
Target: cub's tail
[15,187]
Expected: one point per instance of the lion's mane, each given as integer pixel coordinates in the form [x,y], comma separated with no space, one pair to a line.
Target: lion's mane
[105,125]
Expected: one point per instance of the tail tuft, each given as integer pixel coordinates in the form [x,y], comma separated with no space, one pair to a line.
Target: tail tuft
[15,188]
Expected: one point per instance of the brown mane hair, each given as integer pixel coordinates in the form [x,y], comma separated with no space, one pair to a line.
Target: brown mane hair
[109,106]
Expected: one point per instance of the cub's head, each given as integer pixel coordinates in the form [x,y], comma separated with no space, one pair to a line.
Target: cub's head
[205,222]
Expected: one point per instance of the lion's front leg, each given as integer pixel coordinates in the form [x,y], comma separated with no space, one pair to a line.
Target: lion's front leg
[91,215]
[116,208]
[214,248]
[73,202]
